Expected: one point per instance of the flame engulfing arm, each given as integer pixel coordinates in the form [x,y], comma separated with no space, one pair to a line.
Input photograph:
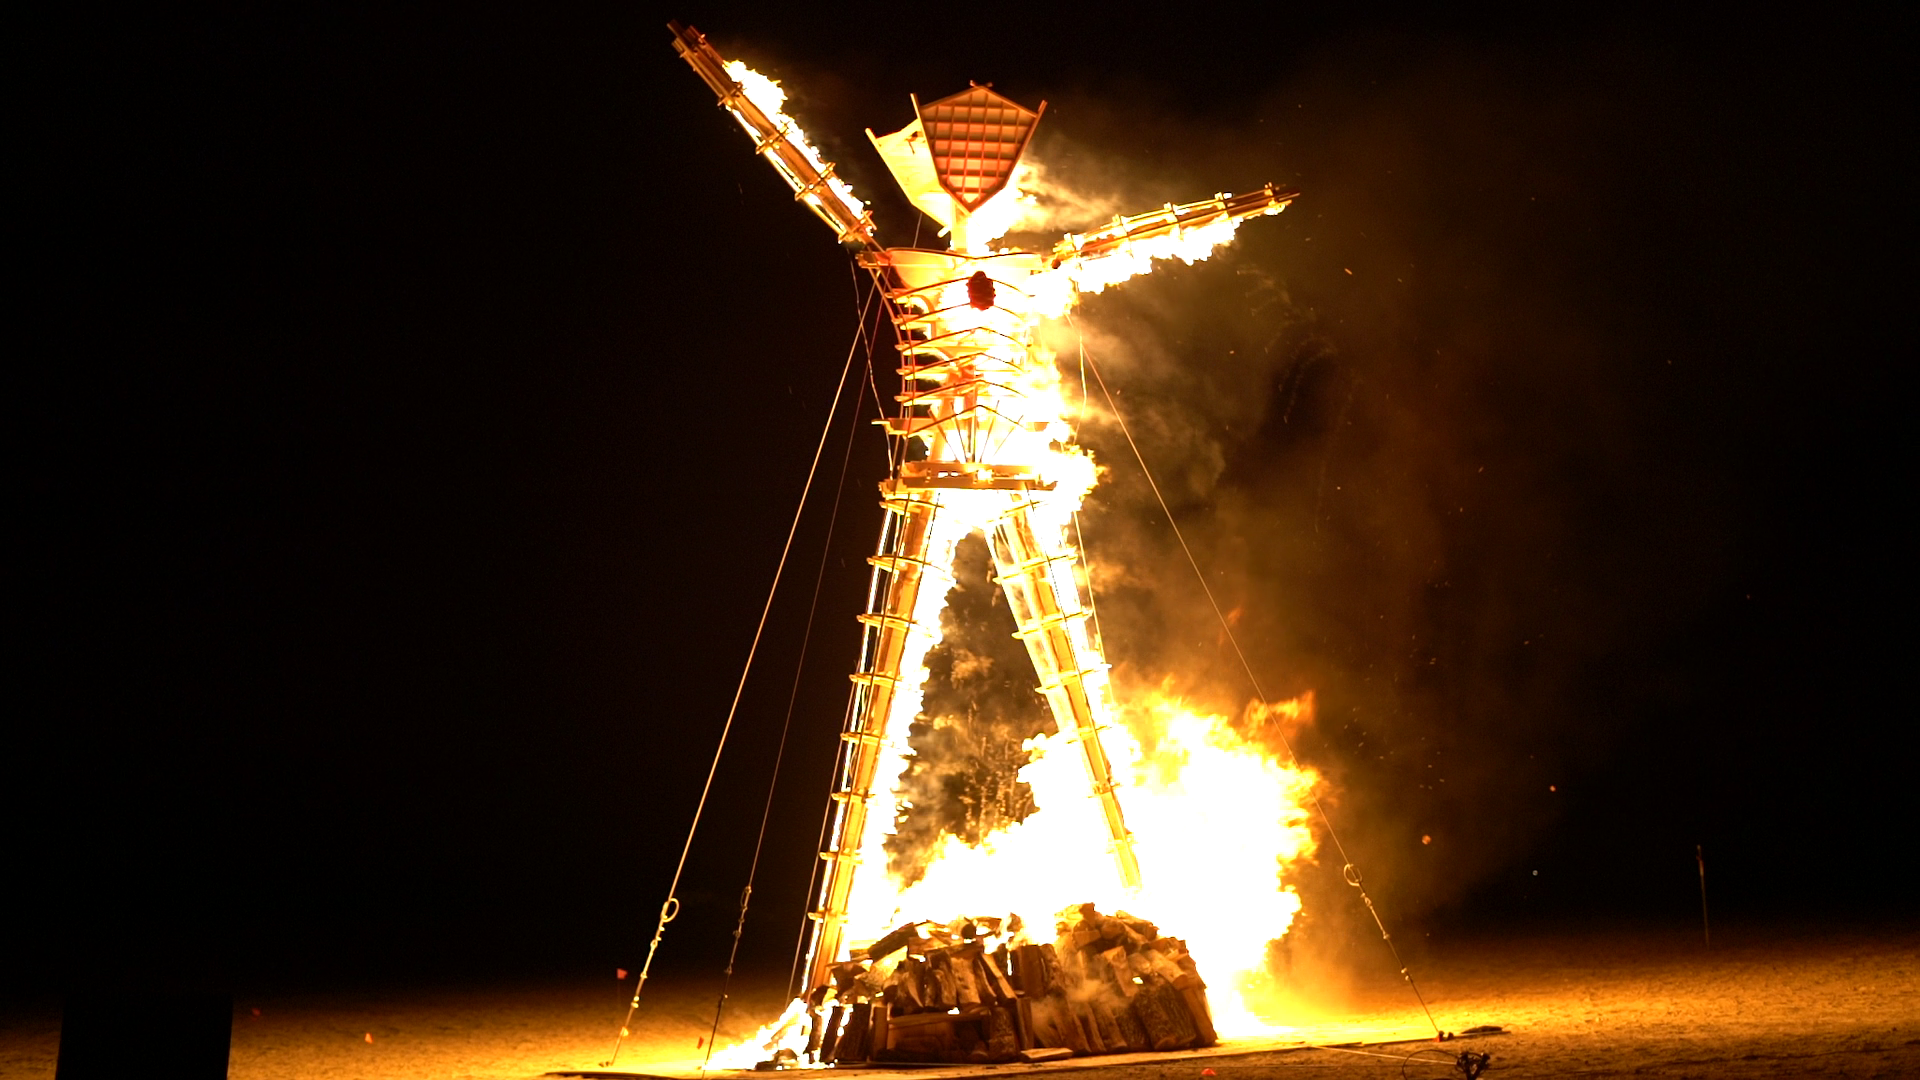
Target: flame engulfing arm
[755,101]
[1126,246]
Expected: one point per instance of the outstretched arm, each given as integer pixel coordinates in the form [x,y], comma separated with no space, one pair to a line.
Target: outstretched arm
[1166,228]
[746,95]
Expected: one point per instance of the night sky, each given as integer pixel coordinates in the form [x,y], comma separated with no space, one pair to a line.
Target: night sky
[414,402]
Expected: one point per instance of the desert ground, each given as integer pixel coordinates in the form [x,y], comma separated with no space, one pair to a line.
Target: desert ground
[1761,1003]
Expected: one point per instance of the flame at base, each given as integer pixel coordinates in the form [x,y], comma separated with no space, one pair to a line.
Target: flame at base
[1217,821]
[787,1032]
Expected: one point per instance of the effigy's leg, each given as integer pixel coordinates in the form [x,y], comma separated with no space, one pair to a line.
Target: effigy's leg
[901,567]
[1036,569]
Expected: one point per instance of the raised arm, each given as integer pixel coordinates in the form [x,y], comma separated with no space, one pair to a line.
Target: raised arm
[755,101]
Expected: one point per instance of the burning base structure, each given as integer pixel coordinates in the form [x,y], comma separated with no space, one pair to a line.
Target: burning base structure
[960,992]
[984,453]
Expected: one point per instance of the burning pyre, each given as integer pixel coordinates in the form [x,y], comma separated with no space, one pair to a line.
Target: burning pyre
[977,990]
[1218,822]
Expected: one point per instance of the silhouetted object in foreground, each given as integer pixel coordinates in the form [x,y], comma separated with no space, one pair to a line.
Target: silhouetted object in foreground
[145,1033]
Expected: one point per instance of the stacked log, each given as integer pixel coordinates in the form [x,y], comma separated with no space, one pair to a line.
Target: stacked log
[1106,984]
[1123,965]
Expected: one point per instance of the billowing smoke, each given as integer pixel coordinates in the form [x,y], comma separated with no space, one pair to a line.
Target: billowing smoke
[1407,436]
[1431,435]
[978,707]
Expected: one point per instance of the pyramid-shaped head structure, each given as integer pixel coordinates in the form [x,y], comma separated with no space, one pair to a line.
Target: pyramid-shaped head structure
[975,138]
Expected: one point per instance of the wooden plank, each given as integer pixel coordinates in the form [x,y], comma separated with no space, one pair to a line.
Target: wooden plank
[1196,999]
[1003,1035]
[964,965]
[1089,1025]
[830,1038]
[920,1020]
[1175,1006]
[1054,1024]
[896,940]
[1119,970]
[853,1044]
[997,980]
[1023,1021]
[1132,1034]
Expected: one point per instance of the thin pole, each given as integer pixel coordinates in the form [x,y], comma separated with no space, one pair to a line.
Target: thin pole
[1706,929]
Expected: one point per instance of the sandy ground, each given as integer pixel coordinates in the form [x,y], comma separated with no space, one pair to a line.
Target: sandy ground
[1647,1005]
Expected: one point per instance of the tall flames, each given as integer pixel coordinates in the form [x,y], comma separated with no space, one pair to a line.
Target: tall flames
[1218,820]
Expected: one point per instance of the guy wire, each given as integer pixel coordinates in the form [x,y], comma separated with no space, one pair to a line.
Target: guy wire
[1079,541]
[793,697]
[1348,870]
[671,908]
[879,403]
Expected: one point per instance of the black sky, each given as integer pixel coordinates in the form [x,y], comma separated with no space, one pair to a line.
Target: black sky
[413,402]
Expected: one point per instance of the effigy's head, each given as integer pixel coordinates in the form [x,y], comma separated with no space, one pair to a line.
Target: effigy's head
[958,154]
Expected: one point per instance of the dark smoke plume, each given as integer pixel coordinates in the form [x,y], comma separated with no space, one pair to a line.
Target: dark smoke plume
[1479,441]
[978,707]
[1424,432]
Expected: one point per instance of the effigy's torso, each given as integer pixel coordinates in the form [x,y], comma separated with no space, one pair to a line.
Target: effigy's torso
[979,393]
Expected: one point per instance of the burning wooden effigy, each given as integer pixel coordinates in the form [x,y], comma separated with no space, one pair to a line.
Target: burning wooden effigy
[979,990]
[984,443]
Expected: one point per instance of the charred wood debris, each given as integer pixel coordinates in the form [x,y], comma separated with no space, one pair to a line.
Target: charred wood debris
[975,991]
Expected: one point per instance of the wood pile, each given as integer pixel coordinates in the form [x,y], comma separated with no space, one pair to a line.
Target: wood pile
[979,991]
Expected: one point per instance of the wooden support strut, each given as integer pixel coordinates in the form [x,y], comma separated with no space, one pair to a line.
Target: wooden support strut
[903,564]
[1045,624]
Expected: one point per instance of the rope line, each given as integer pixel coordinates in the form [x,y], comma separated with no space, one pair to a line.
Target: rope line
[813,881]
[671,908]
[807,924]
[879,404]
[826,815]
[793,698]
[1093,604]
[1080,541]
[1348,870]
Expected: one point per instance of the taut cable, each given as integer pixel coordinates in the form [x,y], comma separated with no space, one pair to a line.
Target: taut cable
[1349,871]
[786,725]
[671,907]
